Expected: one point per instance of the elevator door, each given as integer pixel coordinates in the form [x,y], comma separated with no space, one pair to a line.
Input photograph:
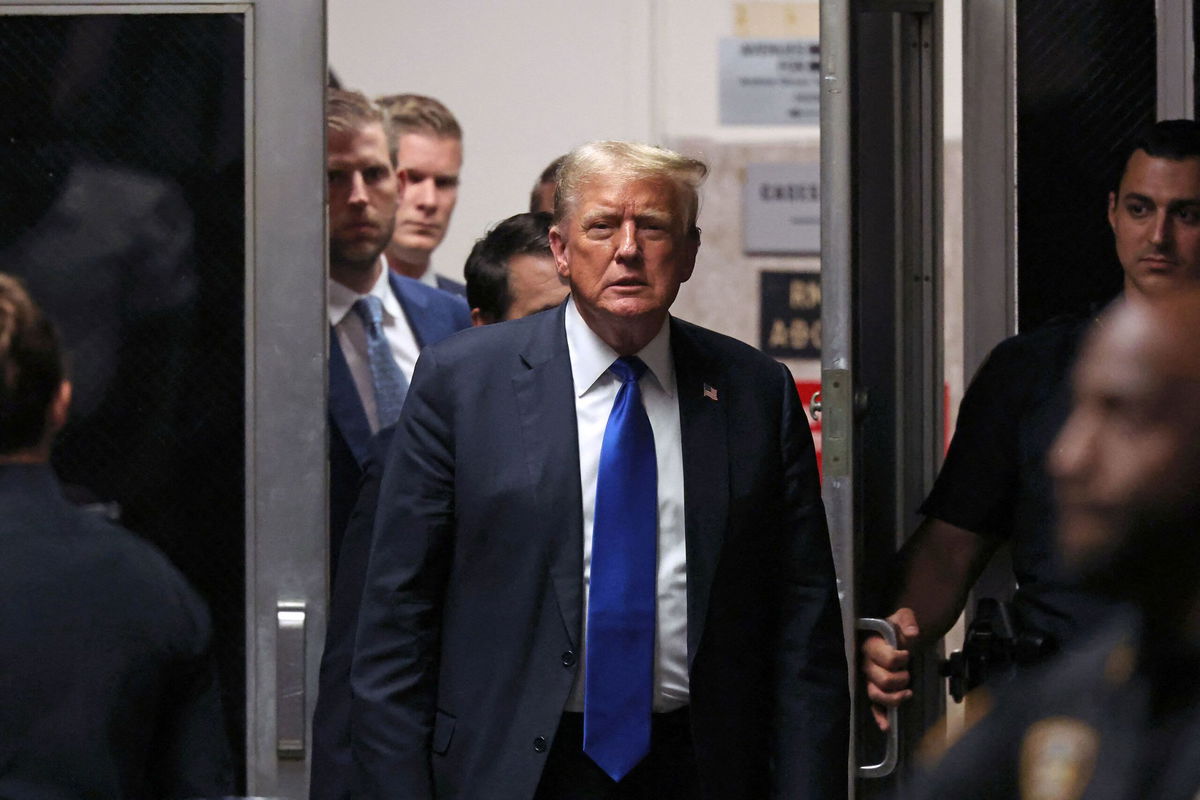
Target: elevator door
[162,199]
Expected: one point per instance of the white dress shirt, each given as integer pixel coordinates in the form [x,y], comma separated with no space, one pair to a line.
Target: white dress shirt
[595,392]
[352,336]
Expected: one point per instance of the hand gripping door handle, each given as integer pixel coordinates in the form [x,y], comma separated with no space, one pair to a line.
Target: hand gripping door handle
[892,751]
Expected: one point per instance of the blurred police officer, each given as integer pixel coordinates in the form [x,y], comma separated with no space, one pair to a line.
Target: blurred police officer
[1119,718]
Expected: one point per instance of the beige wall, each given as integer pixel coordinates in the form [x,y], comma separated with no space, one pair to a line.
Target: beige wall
[531,79]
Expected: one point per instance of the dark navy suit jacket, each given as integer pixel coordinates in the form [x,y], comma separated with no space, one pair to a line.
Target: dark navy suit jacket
[471,615]
[332,771]
[433,315]
[107,685]
[451,285]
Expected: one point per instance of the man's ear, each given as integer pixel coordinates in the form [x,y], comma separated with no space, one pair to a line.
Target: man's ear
[692,247]
[478,318]
[401,181]
[1112,210]
[558,246]
[60,408]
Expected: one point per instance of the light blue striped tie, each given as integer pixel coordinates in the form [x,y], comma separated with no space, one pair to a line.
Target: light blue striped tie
[386,376]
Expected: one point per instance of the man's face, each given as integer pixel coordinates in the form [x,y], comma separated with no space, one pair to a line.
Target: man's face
[1127,463]
[533,285]
[1155,217]
[431,165]
[625,248]
[362,195]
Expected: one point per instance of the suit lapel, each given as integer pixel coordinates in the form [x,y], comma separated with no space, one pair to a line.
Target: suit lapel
[702,418]
[416,309]
[549,433]
[344,405]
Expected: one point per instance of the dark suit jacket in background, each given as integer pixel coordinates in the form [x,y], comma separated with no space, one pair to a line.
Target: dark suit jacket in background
[450,285]
[433,315]
[107,685]
[332,770]
[471,616]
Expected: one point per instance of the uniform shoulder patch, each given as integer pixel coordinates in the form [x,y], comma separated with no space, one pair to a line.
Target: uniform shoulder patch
[1058,756]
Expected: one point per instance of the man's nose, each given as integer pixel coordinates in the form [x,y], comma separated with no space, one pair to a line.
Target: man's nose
[627,241]
[1072,449]
[424,193]
[1161,232]
[358,190]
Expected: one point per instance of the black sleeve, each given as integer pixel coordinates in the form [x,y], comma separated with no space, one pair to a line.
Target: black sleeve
[978,480]
[193,759]
[332,771]
[812,708]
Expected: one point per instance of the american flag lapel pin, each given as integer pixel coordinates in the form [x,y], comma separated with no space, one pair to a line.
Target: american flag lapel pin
[710,393]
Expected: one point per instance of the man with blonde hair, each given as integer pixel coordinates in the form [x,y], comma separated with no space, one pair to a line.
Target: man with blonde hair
[429,153]
[379,321]
[600,566]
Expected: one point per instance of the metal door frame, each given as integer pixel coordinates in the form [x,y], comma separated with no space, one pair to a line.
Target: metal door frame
[286,329]
[1176,59]
[915,271]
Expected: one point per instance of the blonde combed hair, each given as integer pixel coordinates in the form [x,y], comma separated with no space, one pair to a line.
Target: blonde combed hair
[631,161]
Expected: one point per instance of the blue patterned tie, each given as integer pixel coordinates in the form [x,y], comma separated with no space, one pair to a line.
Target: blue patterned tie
[619,680]
[386,376]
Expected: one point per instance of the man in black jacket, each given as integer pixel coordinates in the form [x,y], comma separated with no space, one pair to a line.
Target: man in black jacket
[107,686]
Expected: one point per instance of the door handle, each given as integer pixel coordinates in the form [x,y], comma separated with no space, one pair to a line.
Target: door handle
[290,708]
[891,752]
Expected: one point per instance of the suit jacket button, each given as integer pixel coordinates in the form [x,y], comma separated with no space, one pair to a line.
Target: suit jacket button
[539,744]
[568,658]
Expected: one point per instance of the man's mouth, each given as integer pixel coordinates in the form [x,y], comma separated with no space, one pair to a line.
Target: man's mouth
[423,228]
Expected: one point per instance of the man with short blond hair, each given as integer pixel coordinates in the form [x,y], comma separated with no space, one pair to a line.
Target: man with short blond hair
[600,566]
[429,152]
[379,321]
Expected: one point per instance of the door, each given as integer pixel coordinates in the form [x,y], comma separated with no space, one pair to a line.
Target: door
[163,200]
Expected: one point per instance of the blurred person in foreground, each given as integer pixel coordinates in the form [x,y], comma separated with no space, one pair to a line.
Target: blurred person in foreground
[107,684]
[1120,718]
[600,566]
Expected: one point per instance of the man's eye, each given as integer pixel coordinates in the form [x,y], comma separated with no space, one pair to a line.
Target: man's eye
[1137,209]
[1190,216]
[375,174]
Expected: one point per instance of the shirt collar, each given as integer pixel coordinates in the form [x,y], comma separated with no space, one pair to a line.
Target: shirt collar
[591,357]
[342,298]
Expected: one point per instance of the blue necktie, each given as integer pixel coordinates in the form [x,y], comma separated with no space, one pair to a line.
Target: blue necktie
[619,681]
[387,378]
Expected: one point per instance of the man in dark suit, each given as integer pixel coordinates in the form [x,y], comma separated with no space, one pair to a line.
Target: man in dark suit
[601,567]
[107,683]
[510,274]
[379,320]
[429,151]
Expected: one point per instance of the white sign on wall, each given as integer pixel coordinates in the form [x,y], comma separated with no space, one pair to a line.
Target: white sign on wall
[781,209]
[770,81]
